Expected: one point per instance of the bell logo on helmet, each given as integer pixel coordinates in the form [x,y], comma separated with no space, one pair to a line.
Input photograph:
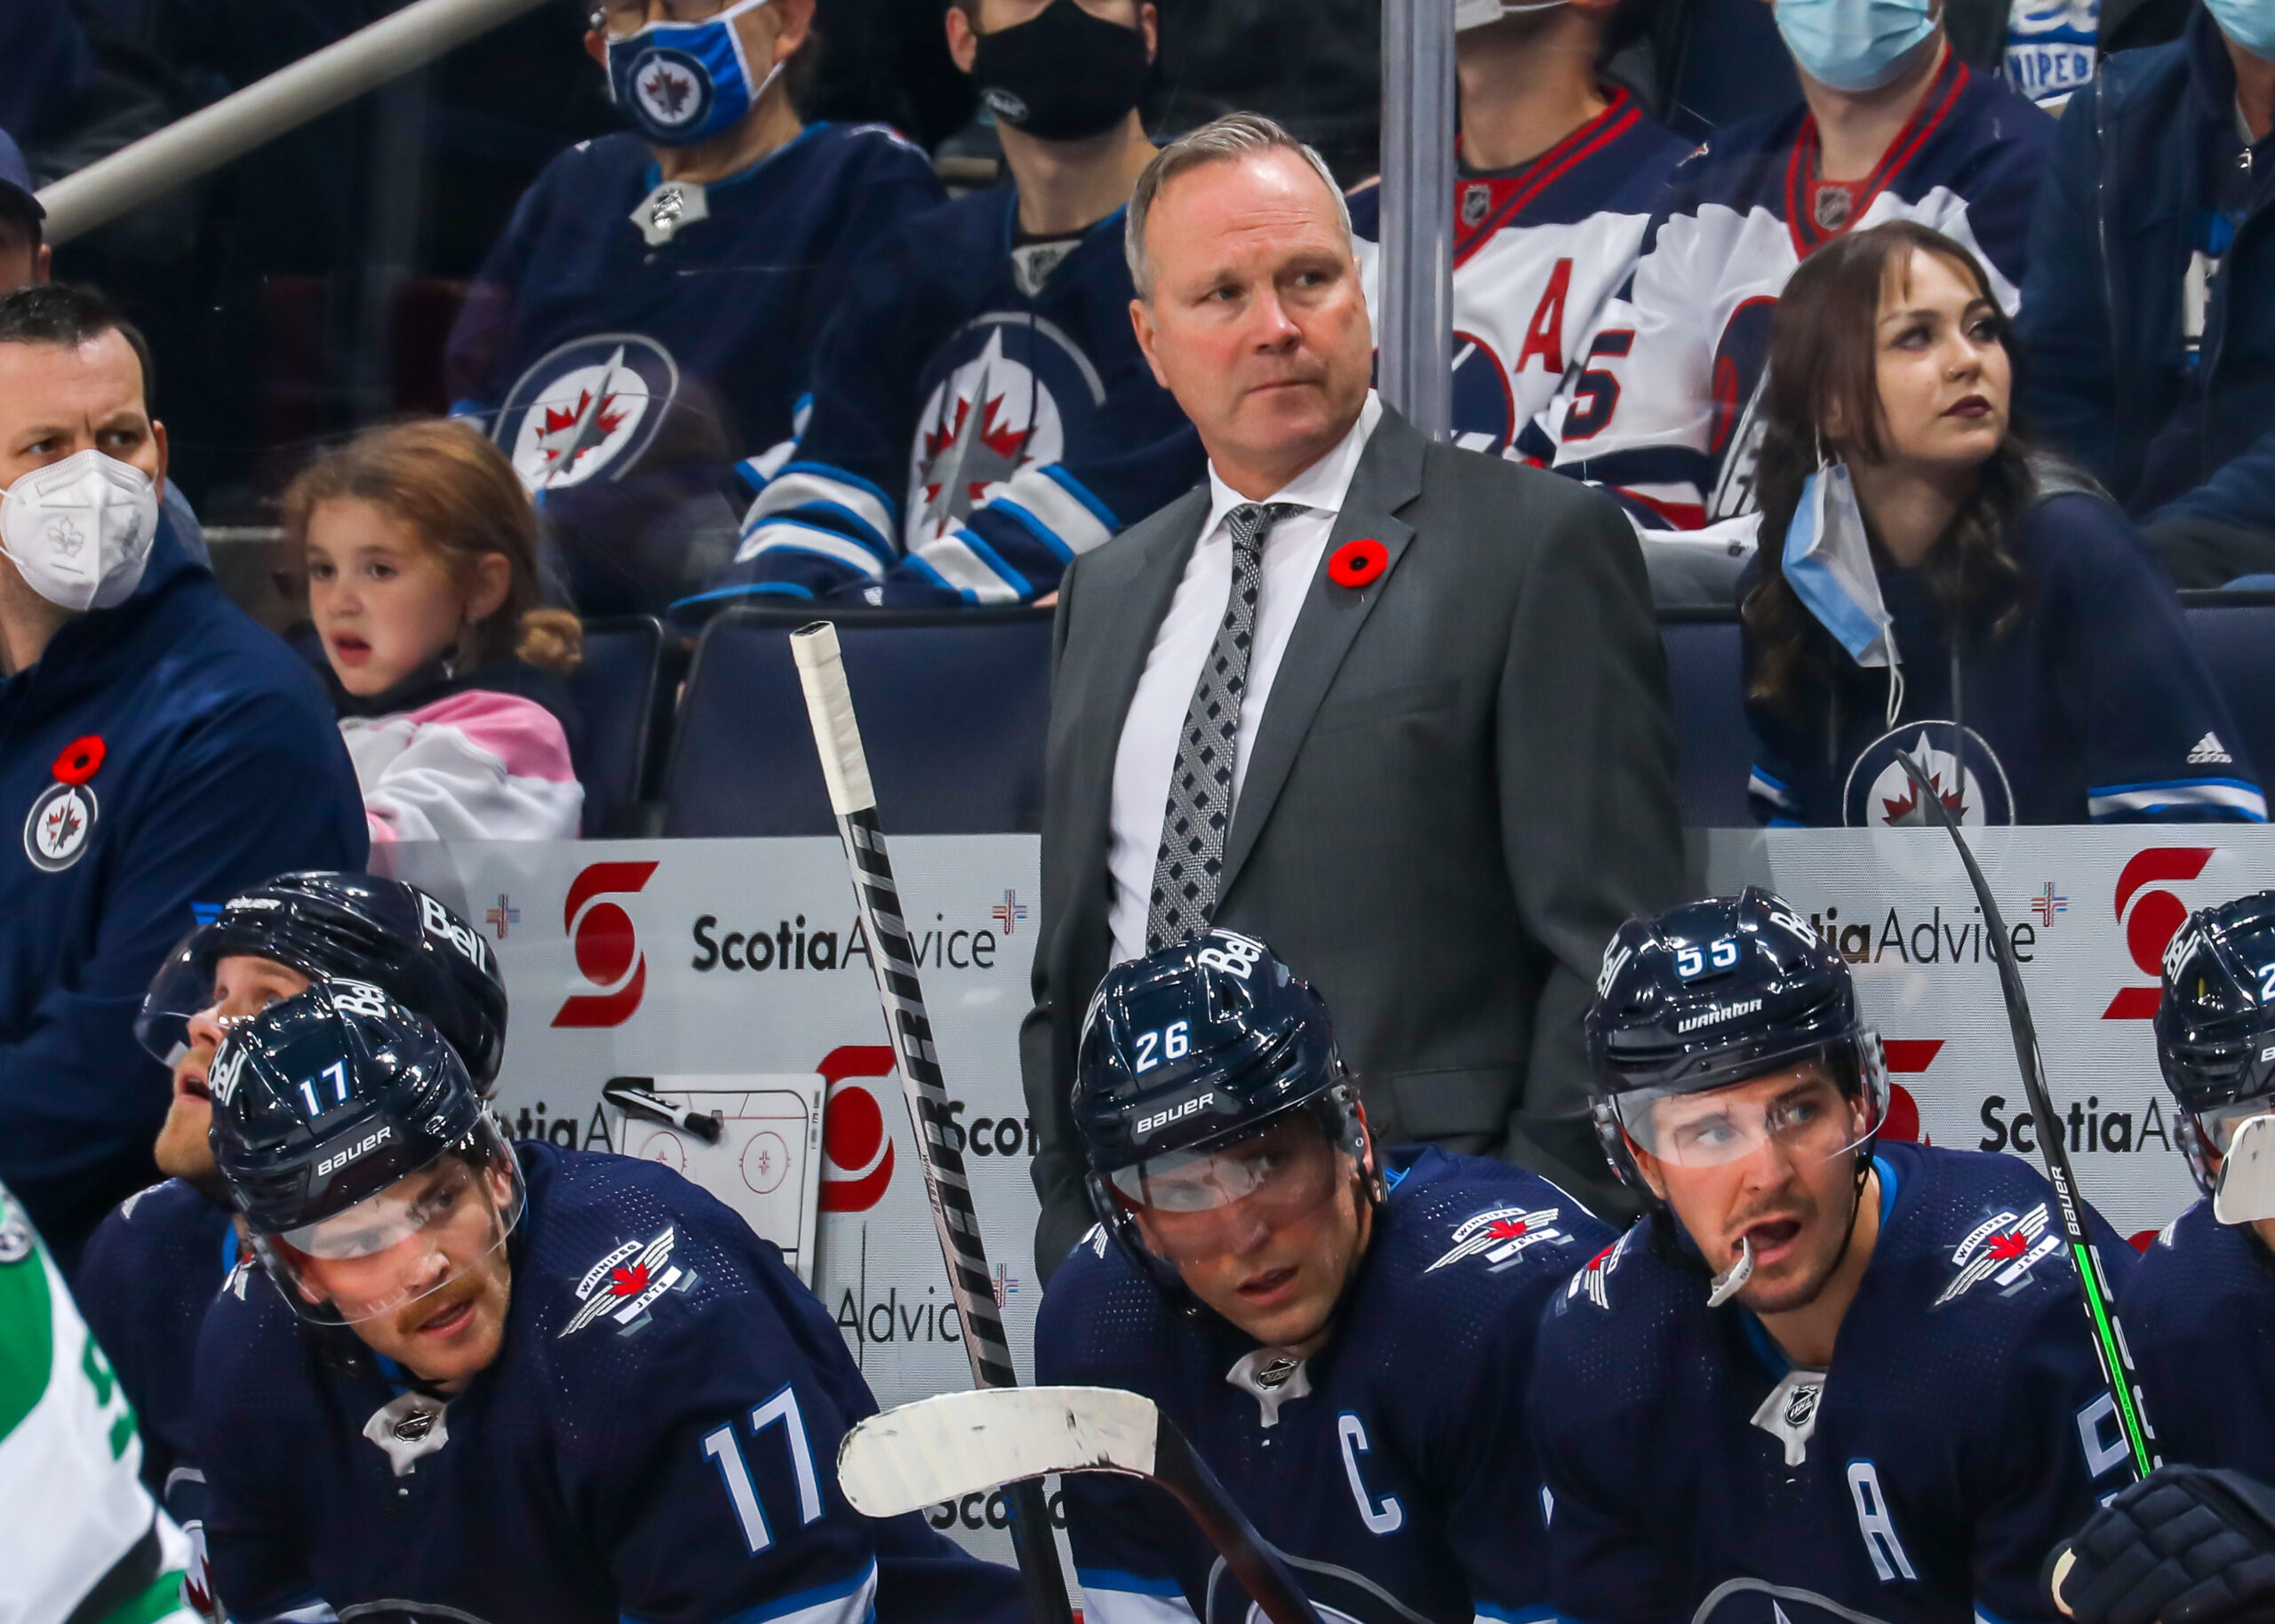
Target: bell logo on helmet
[228,1068]
[1615,959]
[438,922]
[359,998]
[362,1148]
[1175,1113]
[1236,955]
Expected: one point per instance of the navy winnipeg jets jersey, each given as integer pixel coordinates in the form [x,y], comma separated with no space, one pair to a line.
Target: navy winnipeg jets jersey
[1391,1467]
[656,1441]
[2199,1318]
[1538,249]
[143,1284]
[980,416]
[2095,706]
[1961,1430]
[1662,407]
[585,344]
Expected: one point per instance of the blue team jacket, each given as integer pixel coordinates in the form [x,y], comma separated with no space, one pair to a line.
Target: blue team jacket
[220,764]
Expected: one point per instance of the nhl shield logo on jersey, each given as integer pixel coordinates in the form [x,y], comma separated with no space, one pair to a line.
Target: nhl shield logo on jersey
[1879,794]
[1002,390]
[1501,1236]
[671,88]
[2002,1249]
[624,1284]
[588,410]
[56,832]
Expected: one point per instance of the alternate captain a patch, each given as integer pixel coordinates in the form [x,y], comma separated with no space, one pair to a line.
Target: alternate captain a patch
[626,1283]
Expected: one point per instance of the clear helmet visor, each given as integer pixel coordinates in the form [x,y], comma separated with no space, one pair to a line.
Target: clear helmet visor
[193,980]
[1802,1111]
[2239,1170]
[1193,1206]
[431,1232]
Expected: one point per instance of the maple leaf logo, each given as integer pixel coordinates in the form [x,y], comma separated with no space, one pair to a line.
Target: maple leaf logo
[669,90]
[626,1282]
[558,422]
[998,436]
[1905,808]
[1505,1229]
[2005,1248]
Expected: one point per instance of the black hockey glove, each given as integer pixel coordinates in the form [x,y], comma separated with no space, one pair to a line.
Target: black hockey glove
[2182,1545]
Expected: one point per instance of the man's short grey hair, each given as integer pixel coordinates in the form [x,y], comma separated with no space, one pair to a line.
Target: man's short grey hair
[1236,135]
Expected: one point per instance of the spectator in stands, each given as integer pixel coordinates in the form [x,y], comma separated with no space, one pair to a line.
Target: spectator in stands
[1665,405]
[2148,313]
[1398,708]
[421,554]
[1558,172]
[981,413]
[161,749]
[1938,588]
[641,338]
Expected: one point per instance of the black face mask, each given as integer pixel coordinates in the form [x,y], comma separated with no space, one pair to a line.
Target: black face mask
[1063,74]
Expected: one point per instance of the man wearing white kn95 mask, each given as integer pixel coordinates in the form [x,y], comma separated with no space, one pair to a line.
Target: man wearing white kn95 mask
[157,751]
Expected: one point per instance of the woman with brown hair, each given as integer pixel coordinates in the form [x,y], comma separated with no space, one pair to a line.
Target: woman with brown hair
[1929,583]
[421,550]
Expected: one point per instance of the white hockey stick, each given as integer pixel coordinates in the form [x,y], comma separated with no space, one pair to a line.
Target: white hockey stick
[845,768]
[961,1444]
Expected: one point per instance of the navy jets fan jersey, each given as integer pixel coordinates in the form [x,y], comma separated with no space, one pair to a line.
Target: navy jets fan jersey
[1538,249]
[980,416]
[2199,1318]
[1663,409]
[590,332]
[656,1441]
[144,1282]
[2094,707]
[1392,1468]
[1962,1429]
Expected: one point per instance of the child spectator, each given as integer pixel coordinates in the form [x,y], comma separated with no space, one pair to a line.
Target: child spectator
[421,552]
[1928,585]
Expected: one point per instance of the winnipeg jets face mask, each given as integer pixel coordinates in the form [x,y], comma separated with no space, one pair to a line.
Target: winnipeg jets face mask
[681,83]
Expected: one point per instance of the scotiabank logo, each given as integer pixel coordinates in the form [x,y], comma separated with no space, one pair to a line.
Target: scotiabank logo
[606,943]
[856,1149]
[2154,916]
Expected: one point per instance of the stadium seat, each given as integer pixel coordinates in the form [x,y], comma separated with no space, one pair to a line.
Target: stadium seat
[616,687]
[952,703]
[2235,633]
[1713,743]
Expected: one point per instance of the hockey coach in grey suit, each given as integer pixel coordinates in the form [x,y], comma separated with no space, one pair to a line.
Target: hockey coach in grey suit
[1395,708]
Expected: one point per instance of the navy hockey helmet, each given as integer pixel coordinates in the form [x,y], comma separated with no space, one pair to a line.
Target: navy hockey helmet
[2216,1023]
[325,925]
[1713,994]
[1190,1053]
[345,1127]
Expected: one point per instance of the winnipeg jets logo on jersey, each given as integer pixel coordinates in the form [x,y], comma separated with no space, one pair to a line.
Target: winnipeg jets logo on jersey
[1880,795]
[2003,1250]
[624,1284]
[56,830]
[1592,1281]
[588,410]
[1501,1236]
[1005,383]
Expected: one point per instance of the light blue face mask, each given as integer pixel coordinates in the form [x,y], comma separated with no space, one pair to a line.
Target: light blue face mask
[681,83]
[2250,23]
[1829,564]
[1852,45]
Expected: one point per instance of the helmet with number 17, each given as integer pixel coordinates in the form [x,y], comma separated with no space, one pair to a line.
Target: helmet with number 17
[1211,1102]
[2215,1026]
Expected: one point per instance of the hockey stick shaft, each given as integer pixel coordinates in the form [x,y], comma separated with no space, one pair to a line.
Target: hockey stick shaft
[2093,1282]
[971,1283]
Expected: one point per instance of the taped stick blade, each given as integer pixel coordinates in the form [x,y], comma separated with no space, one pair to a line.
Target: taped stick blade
[959,1444]
[829,707]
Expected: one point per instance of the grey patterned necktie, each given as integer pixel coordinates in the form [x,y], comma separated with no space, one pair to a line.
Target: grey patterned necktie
[1192,859]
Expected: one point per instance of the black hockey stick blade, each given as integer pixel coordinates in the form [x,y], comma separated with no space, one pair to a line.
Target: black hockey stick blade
[2053,1150]
[961,1444]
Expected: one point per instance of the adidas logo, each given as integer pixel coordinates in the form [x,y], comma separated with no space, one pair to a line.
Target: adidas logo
[2209,752]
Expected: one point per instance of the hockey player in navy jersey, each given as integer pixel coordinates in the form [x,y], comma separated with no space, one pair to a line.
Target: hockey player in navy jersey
[1558,173]
[1826,1377]
[981,411]
[647,322]
[156,1260]
[509,1383]
[1662,407]
[1343,1330]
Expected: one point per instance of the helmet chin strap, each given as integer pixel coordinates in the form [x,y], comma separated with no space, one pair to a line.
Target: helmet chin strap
[1733,1280]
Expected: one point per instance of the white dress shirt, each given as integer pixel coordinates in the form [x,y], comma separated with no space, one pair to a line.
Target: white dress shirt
[1146,757]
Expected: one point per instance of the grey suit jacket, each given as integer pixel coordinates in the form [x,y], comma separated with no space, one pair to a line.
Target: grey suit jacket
[1462,783]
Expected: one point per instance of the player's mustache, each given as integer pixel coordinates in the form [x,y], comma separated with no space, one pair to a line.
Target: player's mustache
[444,1298]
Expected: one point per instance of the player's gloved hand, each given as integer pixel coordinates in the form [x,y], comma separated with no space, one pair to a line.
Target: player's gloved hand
[2182,1545]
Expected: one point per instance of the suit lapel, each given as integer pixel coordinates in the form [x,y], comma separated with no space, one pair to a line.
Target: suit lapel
[1389,477]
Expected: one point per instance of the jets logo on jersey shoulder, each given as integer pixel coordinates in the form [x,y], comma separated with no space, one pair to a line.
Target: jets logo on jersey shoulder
[586,411]
[623,1284]
[1880,795]
[1501,1236]
[1592,1281]
[1002,391]
[2003,1250]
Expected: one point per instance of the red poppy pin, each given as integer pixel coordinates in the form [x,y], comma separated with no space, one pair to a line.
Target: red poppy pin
[63,817]
[1357,563]
[81,758]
